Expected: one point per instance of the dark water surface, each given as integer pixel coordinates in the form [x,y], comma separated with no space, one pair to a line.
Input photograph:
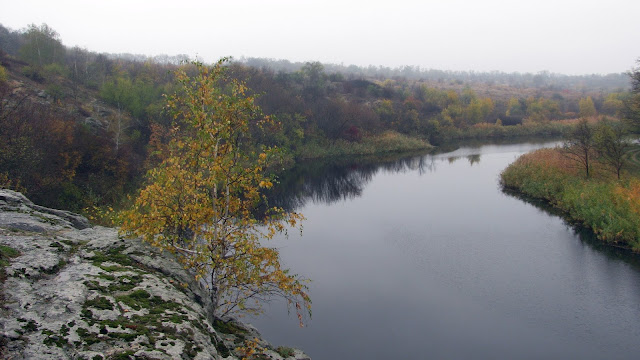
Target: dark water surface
[426,258]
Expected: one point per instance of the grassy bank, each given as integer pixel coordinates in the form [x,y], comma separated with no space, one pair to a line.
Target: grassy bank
[387,142]
[553,129]
[610,207]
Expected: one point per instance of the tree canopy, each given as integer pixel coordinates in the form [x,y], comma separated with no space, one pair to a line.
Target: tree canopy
[42,45]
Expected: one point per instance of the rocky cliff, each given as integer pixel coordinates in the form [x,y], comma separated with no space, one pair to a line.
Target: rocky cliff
[73,291]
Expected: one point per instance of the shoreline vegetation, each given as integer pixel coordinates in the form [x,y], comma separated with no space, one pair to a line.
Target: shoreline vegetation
[555,128]
[391,141]
[607,205]
[385,143]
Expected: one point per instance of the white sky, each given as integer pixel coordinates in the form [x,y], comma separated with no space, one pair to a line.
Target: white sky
[562,36]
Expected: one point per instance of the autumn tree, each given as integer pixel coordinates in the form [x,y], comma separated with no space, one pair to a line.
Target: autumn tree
[200,202]
[579,145]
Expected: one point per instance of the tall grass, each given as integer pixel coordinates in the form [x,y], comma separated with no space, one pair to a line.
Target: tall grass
[387,142]
[493,131]
[610,207]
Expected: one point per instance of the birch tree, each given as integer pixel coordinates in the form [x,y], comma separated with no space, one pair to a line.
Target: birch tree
[200,202]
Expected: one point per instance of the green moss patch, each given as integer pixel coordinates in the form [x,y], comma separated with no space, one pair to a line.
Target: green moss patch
[139,299]
[6,253]
[56,268]
[59,247]
[125,355]
[99,302]
[114,255]
[222,349]
[114,260]
[30,326]
[285,351]
[125,283]
[228,327]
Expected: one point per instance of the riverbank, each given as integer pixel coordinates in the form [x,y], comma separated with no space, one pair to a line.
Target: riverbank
[381,144]
[608,206]
[549,129]
[75,291]
[394,142]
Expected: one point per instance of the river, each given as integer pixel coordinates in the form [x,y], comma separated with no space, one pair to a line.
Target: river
[425,257]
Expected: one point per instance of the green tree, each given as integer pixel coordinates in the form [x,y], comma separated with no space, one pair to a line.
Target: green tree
[42,46]
[586,107]
[454,114]
[631,109]
[434,100]
[613,104]
[479,110]
[468,95]
[540,109]
[200,201]
[314,79]
[384,109]
[514,108]
[119,92]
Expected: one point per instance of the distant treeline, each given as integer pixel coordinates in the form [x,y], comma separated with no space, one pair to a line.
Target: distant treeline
[318,106]
[541,80]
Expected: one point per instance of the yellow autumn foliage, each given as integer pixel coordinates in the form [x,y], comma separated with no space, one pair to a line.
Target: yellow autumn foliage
[199,203]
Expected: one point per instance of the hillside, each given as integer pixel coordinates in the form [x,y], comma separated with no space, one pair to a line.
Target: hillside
[92,124]
[59,140]
[29,88]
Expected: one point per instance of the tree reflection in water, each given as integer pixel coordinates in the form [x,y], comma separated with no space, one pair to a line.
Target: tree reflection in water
[330,182]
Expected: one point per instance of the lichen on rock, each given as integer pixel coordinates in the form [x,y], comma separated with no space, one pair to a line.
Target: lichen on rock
[71,291]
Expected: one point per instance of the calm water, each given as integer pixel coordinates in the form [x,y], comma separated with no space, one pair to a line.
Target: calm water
[426,258]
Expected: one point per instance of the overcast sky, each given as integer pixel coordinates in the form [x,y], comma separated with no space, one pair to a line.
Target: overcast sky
[561,36]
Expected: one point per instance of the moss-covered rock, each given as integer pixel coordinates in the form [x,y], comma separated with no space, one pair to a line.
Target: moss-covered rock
[72,293]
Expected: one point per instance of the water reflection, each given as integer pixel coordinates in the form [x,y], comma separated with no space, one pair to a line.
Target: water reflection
[331,182]
[328,182]
[586,236]
[425,257]
[473,159]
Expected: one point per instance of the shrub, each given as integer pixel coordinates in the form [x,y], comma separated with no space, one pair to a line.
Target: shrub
[54,69]
[33,73]
[3,74]
[55,91]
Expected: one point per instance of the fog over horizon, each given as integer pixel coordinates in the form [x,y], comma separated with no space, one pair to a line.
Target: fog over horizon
[568,37]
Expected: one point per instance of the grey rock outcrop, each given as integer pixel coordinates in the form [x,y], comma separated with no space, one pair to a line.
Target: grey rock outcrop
[72,291]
